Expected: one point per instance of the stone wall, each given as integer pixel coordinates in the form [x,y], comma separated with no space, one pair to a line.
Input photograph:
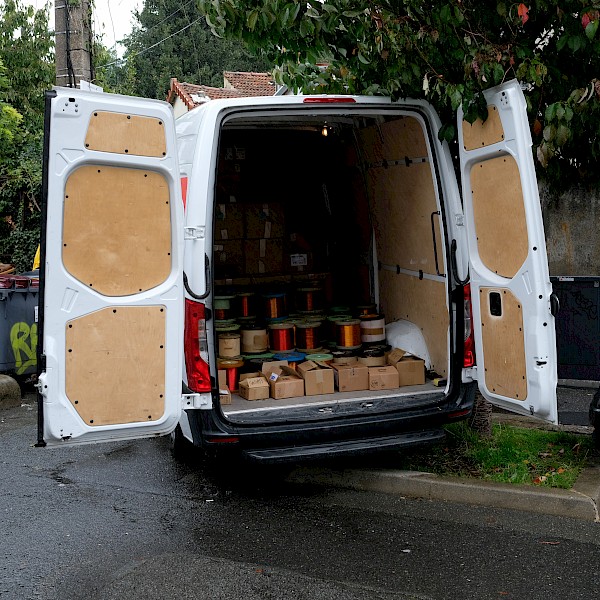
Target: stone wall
[572,230]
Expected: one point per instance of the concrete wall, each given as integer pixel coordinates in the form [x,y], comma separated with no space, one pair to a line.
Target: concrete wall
[571,221]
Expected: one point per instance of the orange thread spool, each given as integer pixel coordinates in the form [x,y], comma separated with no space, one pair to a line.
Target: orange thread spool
[275,306]
[309,299]
[281,337]
[348,334]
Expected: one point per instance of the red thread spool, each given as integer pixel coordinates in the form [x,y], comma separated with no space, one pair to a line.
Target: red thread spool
[307,336]
[231,367]
[281,337]
[246,304]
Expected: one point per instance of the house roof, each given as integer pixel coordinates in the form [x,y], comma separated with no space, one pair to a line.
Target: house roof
[250,84]
[237,85]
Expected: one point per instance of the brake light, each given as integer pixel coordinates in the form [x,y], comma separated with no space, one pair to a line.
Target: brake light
[328,100]
[469,344]
[195,347]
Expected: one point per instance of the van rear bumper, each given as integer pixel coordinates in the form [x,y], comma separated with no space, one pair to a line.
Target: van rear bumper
[296,441]
[344,447]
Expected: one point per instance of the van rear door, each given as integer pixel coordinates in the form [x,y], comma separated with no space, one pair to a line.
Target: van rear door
[111,306]
[510,285]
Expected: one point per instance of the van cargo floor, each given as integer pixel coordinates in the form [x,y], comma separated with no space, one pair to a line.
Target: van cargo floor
[420,393]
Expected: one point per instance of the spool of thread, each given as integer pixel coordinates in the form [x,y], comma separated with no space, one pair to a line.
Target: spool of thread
[348,334]
[331,332]
[320,357]
[281,337]
[372,328]
[246,305]
[373,357]
[309,299]
[307,336]
[256,362]
[275,306]
[254,340]
[343,357]
[232,374]
[229,345]
[222,307]
[227,326]
[365,309]
[339,310]
[293,358]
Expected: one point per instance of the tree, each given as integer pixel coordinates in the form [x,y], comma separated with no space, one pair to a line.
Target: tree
[446,50]
[113,75]
[173,40]
[26,53]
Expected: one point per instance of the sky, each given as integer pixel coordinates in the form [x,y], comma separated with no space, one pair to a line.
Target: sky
[112,18]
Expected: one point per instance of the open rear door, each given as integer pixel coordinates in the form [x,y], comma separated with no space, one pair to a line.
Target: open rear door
[111,307]
[510,285]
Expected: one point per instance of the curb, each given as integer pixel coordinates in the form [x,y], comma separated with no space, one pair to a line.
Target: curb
[581,502]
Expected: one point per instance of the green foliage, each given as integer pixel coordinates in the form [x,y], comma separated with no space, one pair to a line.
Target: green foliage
[185,49]
[26,53]
[511,455]
[111,74]
[446,50]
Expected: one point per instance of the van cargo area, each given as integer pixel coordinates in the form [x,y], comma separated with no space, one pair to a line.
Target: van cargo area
[329,264]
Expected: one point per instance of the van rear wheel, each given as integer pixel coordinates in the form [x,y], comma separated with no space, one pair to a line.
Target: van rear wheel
[181,448]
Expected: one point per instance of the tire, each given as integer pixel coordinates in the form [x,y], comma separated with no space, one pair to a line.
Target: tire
[181,448]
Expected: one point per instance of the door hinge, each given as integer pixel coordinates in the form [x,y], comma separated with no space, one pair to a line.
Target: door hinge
[194,401]
[194,232]
[469,374]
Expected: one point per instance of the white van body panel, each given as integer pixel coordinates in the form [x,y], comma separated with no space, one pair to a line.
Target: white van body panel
[498,172]
[71,303]
[192,155]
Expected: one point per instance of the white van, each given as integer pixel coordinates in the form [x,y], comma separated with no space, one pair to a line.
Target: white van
[355,197]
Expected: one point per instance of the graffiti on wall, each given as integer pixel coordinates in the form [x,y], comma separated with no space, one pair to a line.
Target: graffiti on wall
[23,339]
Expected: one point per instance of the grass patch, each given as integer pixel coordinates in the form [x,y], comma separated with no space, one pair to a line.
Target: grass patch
[511,455]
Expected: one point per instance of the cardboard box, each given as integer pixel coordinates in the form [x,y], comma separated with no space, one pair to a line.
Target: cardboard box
[254,386]
[284,381]
[229,258]
[264,221]
[263,256]
[411,369]
[229,221]
[383,378]
[224,393]
[352,377]
[318,378]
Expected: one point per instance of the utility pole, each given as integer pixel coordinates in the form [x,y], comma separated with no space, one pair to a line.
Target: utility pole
[73,50]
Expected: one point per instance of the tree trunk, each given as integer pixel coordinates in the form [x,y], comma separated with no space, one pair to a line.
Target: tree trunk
[481,420]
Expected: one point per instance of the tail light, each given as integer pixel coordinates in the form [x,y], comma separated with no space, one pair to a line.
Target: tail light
[195,347]
[469,345]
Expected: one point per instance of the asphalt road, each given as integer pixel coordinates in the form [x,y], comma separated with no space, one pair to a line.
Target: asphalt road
[123,520]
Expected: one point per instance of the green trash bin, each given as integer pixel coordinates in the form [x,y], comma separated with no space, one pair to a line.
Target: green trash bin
[18,323]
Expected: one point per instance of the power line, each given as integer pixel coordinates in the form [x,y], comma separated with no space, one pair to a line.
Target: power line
[172,14]
[153,45]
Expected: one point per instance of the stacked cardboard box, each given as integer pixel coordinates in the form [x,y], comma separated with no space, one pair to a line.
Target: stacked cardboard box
[249,239]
